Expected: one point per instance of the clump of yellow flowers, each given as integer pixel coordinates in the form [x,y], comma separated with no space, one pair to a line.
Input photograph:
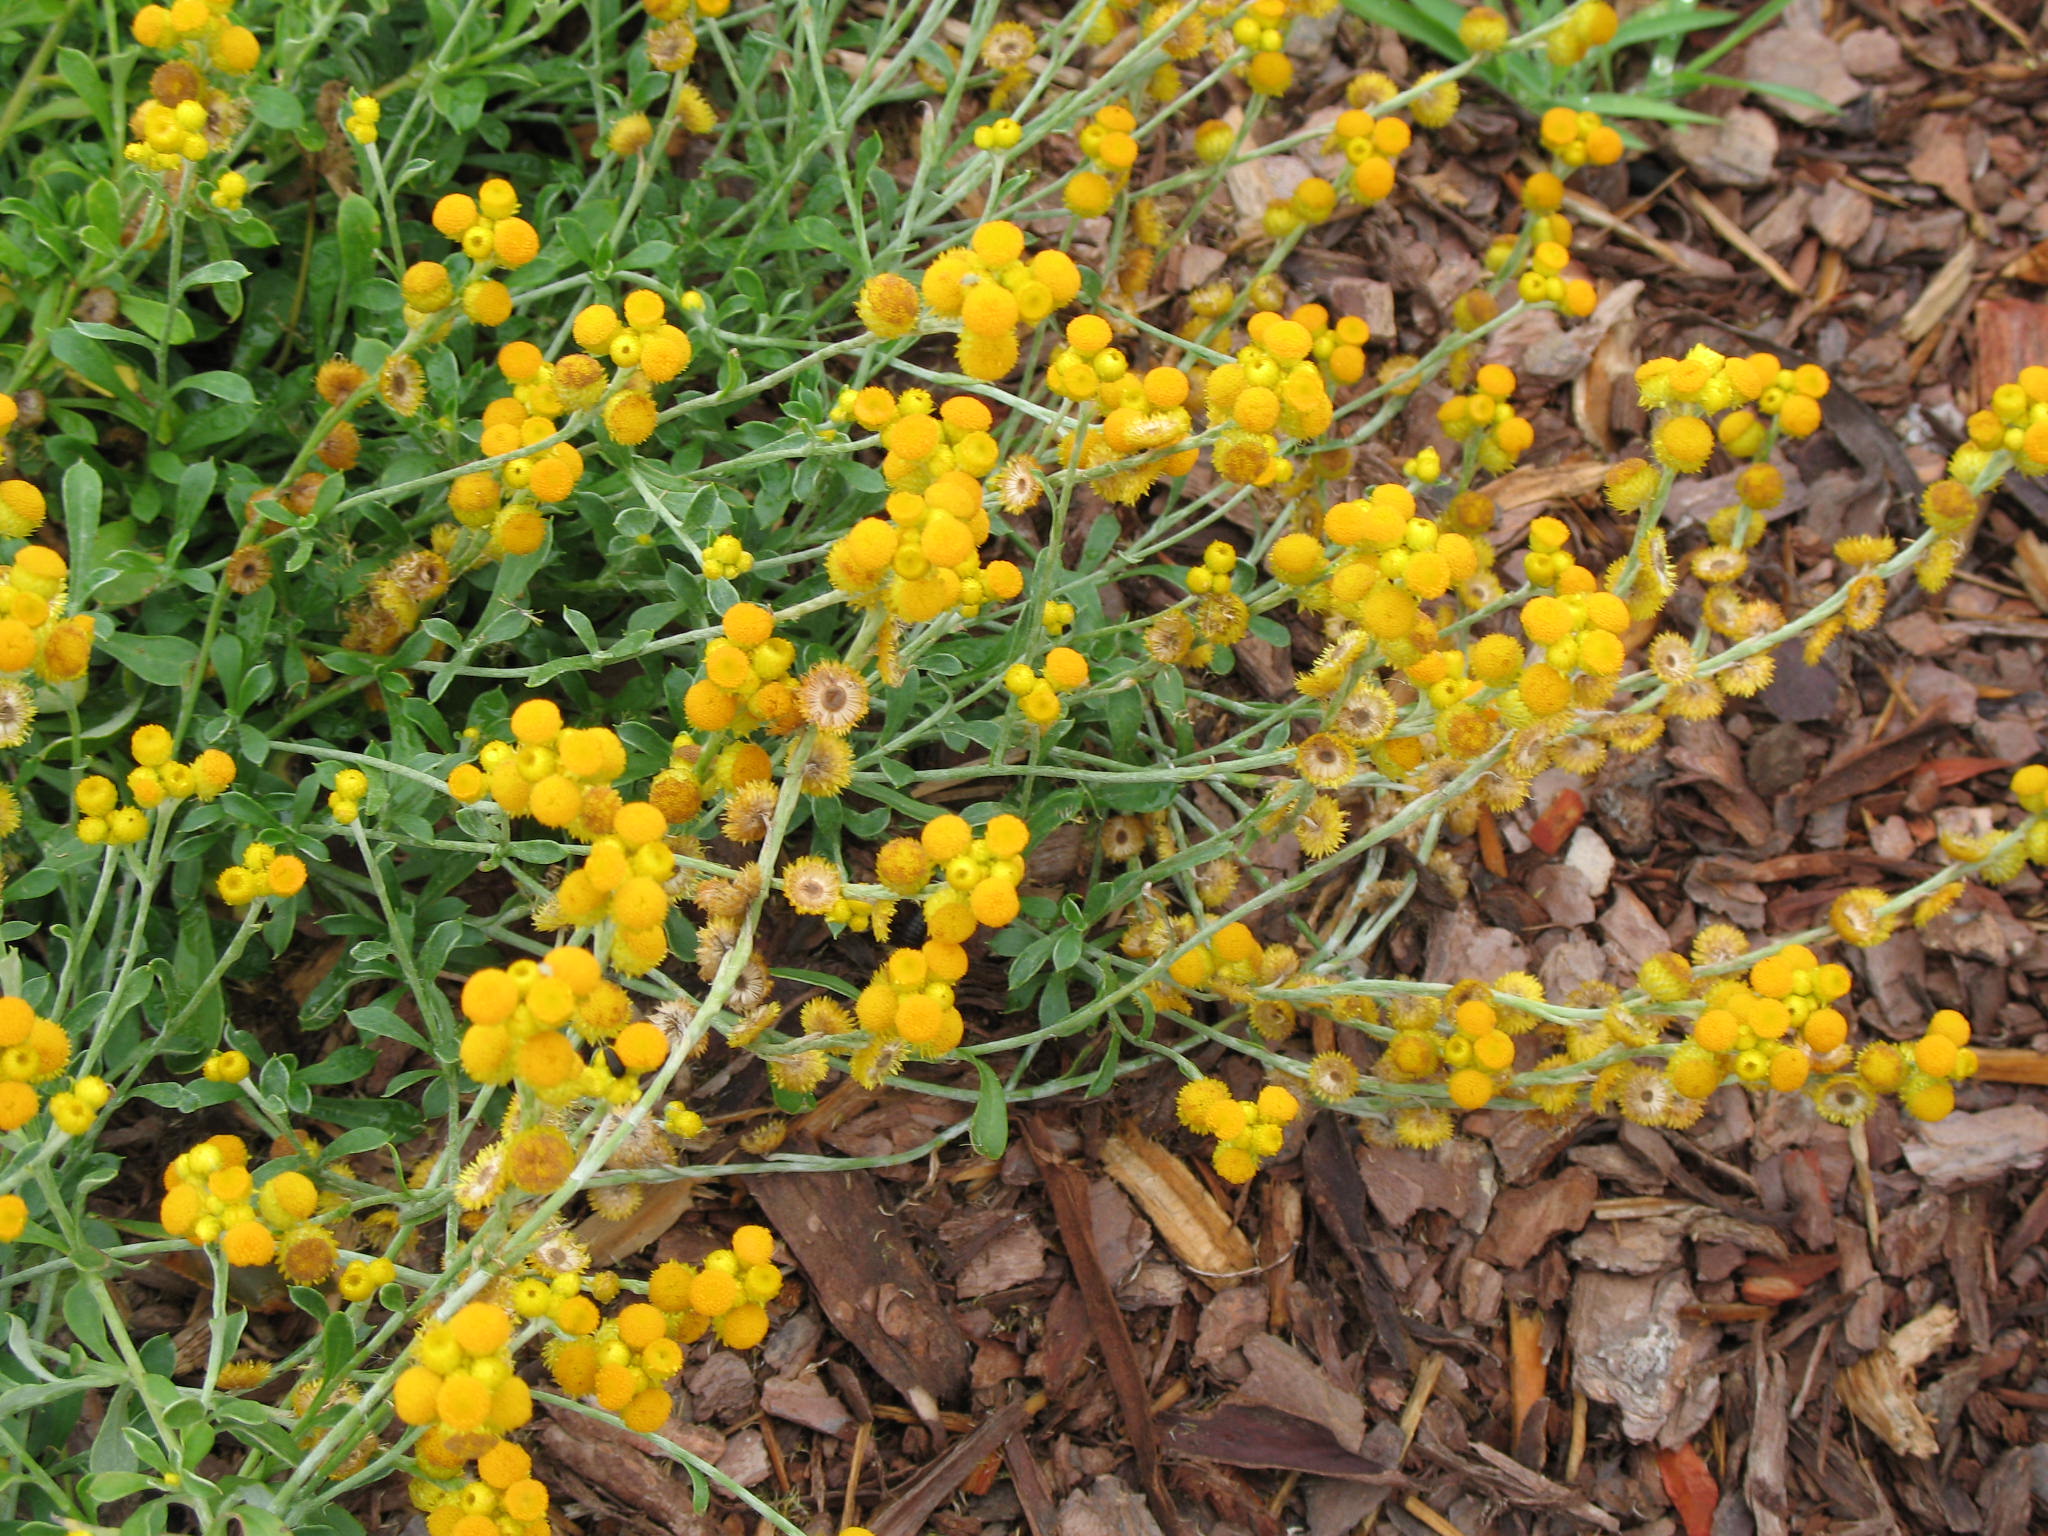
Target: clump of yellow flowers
[1247,1131]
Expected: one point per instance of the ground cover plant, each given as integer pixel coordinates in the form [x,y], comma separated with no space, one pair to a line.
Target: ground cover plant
[586,586]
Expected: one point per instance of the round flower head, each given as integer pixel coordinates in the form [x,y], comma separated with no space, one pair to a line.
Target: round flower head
[1683,443]
[888,305]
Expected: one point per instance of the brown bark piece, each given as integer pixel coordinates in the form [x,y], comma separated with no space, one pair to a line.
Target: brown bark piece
[1285,1380]
[1633,1350]
[1979,1148]
[1197,1229]
[1868,768]
[628,1475]
[1339,1198]
[804,1400]
[1525,1219]
[1764,1478]
[1709,758]
[869,1279]
[1879,1389]
[1033,1494]
[1068,1189]
[905,1514]
[661,1207]
[1230,1318]
[1107,1508]
[1243,1436]
[1456,1178]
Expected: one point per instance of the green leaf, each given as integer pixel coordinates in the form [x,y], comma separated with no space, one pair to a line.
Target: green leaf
[337,1344]
[344,1065]
[152,315]
[276,108]
[82,1316]
[215,272]
[1613,104]
[84,78]
[89,358]
[161,659]
[82,497]
[1434,22]
[356,236]
[364,1138]
[1105,1077]
[222,386]
[821,979]
[1673,18]
[378,1020]
[990,1132]
[1791,93]
[1761,17]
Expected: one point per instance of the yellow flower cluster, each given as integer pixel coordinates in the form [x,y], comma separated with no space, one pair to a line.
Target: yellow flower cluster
[504,1499]
[1782,1031]
[345,800]
[907,1006]
[993,290]
[2015,422]
[510,503]
[622,1365]
[487,227]
[364,113]
[1372,145]
[521,1018]
[646,347]
[462,1386]
[1144,416]
[263,872]
[1262,29]
[210,1197]
[1109,144]
[924,558]
[198,30]
[1485,420]
[1271,390]
[33,1050]
[34,634]
[745,685]
[1038,692]
[1337,346]
[1578,138]
[155,779]
[1592,24]
[1247,1131]
[726,559]
[184,118]
[980,874]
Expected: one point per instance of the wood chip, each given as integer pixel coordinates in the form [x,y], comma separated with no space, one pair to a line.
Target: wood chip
[1284,1380]
[1633,1350]
[869,1279]
[1737,237]
[1179,1205]
[1068,1189]
[1525,1219]
[1979,1148]
[907,1512]
[661,1207]
[1944,291]
[1879,1388]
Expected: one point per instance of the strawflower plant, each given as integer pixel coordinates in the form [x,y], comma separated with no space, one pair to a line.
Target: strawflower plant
[606,609]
